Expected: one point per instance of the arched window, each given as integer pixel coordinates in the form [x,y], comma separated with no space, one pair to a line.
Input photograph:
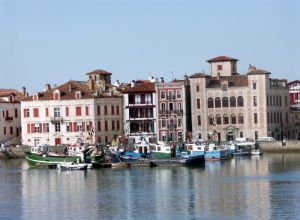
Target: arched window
[225,119]
[241,119]
[219,119]
[224,102]
[233,119]
[210,103]
[217,102]
[211,120]
[232,101]
[240,101]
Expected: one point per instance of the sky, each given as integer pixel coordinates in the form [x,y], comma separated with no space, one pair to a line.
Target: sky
[53,41]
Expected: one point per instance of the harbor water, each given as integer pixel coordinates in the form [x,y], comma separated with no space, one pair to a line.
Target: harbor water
[257,187]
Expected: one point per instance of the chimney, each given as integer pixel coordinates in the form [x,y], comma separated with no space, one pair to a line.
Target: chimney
[162,79]
[151,78]
[117,83]
[70,87]
[132,83]
[47,87]
[251,68]
[91,84]
[24,91]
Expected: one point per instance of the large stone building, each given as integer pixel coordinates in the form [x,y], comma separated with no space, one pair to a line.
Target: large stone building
[294,90]
[173,120]
[73,113]
[226,105]
[10,117]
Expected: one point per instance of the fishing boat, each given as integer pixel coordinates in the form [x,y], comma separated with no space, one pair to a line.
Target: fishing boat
[215,152]
[190,160]
[243,147]
[197,148]
[118,162]
[160,150]
[256,150]
[39,156]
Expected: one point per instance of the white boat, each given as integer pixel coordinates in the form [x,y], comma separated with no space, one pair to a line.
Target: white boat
[197,147]
[72,166]
[243,146]
[160,150]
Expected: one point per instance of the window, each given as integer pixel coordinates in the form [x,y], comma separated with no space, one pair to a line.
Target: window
[131,99]
[256,135]
[232,101]
[113,125]
[255,118]
[217,102]
[225,119]
[16,113]
[197,88]
[224,87]
[164,137]
[240,101]
[99,125]
[171,106]
[225,102]
[241,134]
[162,94]
[35,112]
[4,131]
[163,107]
[56,112]
[286,101]
[118,110]
[270,100]
[287,117]
[163,122]
[118,125]
[219,119]
[241,119]
[179,122]
[106,126]
[105,110]
[199,120]
[254,100]
[210,103]
[68,126]
[179,106]
[219,67]
[47,127]
[36,128]
[57,126]
[78,111]
[171,95]
[211,120]
[179,94]
[233,119]
[198,103]
[279,100]
[254,86]
[98,110]
[267,100]
[86,110]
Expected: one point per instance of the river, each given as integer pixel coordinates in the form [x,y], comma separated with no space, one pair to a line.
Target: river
[257,187]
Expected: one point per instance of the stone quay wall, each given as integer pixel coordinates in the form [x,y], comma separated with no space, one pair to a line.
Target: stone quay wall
[279,146]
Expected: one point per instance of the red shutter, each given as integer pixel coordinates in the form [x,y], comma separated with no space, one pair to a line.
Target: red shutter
[41,131]
[47,112]
[71,127]
[86,110]
[28,128]
[24,113]
[67,111]
[83,126]
[78,111]
[35,112]
[44,127]
[91,125]
[74,127]
[32,128]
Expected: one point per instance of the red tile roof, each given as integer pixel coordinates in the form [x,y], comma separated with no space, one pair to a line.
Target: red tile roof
[8,92]
[235,81]
[222,58]
[99,71]
[258,72]
[198,75]
[140,86]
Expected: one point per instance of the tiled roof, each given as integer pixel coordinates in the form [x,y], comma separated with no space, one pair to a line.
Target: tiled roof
[233,81]
[258,72]
[99,71]
[222,58]
[67,91]
[140,86]
[7,92]
[293,82]
[198,75]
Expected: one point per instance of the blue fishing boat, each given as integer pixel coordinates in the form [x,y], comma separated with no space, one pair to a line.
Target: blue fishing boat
[214,152]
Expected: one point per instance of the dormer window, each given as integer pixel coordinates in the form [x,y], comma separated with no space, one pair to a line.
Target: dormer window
[11,98]
[78,95]
[35,97]
[56,95]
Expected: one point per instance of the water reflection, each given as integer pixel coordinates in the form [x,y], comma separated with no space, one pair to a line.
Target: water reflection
[243,188]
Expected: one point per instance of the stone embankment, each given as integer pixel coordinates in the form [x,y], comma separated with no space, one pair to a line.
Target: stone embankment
[279,146]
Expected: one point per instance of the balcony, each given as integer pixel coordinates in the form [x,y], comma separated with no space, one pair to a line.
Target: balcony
[169,112]
[56,119]
[7,118]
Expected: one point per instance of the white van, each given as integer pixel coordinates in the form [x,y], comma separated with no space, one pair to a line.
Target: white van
[266,139]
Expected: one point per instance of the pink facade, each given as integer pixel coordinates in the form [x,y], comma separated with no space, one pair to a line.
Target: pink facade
[294,91]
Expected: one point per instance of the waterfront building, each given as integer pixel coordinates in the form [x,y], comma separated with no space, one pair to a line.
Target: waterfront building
[73,113]
[173,120]
[294,91]
[10,118]
[226,105]
[140,110]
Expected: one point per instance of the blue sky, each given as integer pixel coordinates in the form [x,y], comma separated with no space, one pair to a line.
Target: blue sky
[57,40]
